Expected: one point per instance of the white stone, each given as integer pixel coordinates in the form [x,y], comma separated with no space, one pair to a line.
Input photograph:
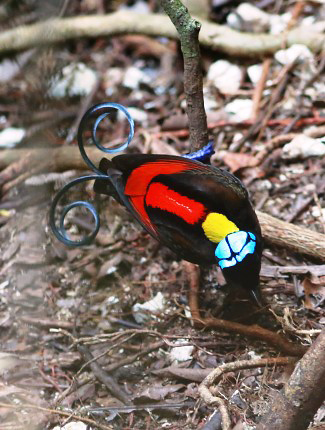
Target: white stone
[288,56]
[136,114]
[77,80]
[279,23]
[144,311]
[265,185]
[134,77]
[304,146]
[138,7]
[225,76]
[256,19]
[239,110]
[210,103]
[237,136]
[181,353]
[234,21]
[112,77]
[253,355]
[255,72]
[11,136]
[73,425]
[308,21]
[316,213]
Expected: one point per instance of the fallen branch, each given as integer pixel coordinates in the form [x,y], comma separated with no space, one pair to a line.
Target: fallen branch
[275,231]
[219,37]
[303,394]
[292,237]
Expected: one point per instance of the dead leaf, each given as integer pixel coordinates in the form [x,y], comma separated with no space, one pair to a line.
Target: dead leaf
[239,426]
[158,392]
[236,161]
[110,266]
[311,289]
[160,147]
[196,375]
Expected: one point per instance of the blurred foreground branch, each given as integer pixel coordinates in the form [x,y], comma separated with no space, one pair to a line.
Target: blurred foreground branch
[303,394]
[218,37]
[275,231]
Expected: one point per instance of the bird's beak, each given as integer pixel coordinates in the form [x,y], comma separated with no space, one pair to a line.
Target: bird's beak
[257,297]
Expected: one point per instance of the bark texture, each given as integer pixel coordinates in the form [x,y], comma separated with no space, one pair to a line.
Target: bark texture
[188,29]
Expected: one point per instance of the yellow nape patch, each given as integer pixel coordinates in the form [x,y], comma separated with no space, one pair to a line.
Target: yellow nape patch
[217,226]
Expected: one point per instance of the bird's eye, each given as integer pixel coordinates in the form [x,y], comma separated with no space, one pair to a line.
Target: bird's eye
[234,248]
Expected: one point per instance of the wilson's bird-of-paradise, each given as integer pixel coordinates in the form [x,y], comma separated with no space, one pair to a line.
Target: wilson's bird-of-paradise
[200,212]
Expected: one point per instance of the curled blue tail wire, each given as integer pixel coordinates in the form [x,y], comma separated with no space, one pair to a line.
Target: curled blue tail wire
[99,112]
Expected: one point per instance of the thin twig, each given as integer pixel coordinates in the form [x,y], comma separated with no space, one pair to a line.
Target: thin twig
[103,377]
[258,92]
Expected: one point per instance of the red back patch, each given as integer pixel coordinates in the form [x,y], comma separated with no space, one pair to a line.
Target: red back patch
[162,197]
[137,184]
[139,179]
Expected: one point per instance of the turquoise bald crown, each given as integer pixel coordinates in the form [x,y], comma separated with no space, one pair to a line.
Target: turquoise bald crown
[234,248]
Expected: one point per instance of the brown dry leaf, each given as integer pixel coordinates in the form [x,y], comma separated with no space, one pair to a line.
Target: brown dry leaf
[160,147]
[236,161]
[192,391]
[196,375]
[175,122]
[311,289]
[82,394]
[110,266]
[239,426]
[158,392]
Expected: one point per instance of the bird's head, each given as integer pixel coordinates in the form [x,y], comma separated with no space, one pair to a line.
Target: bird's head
[238,253]
[239,258]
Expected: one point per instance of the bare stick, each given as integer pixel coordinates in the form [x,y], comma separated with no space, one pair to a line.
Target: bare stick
[258,92]
[188,29]
[215,36]
[292,237]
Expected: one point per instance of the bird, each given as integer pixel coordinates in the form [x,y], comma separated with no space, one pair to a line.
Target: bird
[201,212]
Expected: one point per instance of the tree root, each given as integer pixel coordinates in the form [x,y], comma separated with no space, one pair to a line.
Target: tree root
[208,393]
[303,394]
